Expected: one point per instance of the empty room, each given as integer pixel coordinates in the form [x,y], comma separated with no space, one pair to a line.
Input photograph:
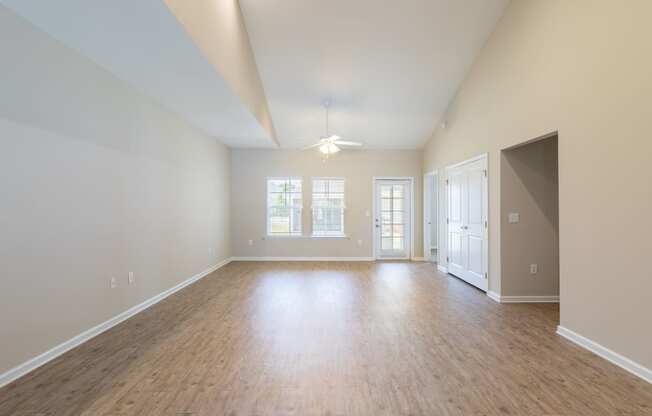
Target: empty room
[241,207]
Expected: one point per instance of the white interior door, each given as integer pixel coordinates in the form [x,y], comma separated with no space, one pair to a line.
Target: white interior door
[392,219]
[467,222]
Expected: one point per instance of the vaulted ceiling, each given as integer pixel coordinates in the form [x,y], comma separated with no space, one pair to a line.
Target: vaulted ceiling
[390,68]
[144,43]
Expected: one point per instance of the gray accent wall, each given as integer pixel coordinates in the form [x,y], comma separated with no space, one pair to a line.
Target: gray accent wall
[96,181]
[529,187]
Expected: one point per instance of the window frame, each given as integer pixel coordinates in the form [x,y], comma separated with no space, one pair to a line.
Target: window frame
[268,232]
[341,234]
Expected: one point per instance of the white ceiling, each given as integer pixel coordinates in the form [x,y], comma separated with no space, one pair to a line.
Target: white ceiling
[390,67]
[141,42]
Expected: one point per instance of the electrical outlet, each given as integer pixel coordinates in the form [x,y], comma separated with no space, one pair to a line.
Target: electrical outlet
[534,268]
[113,283]
[132,278]
[251,242]
[513,218]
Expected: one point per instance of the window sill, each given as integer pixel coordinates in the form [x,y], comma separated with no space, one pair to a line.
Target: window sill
[311,237]
[284,237]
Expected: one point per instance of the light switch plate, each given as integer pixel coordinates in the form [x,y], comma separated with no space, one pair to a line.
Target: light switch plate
[513,217]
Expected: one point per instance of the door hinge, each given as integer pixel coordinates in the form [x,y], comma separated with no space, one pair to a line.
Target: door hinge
[447,259]
[485,173]
[447,220]
[486,225]
[446,181]
[486,275]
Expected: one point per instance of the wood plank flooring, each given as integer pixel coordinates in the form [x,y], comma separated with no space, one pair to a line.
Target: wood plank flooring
[320,338]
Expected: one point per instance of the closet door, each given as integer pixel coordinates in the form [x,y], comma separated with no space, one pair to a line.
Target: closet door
[467,222]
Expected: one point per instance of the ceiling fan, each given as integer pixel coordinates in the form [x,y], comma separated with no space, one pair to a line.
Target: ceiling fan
[330,143]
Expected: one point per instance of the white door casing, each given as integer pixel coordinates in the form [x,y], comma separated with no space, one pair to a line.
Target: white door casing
[430,215]
[467,221]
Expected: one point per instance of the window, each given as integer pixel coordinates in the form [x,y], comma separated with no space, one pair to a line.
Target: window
[328,207]
[284,205]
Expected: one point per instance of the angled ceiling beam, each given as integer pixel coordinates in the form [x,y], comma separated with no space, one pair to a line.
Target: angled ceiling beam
[218,29]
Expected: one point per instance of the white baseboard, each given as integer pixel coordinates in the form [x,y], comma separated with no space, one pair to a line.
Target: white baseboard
[494,296]
[615,358]
[522,299]
[442,269]
[60,349]
[527,299]
[302,259]
[418,259]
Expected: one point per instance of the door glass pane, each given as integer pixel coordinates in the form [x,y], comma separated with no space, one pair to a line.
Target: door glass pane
[392,218]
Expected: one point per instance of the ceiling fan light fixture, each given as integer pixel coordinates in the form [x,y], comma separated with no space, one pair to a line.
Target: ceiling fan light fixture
[328,148]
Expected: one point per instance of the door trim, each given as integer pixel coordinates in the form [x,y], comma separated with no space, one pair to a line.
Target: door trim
[410,179]
[427,212]
[485,254]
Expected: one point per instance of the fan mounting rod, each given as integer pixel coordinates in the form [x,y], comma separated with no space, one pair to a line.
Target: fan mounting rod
[327,104]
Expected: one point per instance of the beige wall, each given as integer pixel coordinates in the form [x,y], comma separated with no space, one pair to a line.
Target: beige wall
[529,186]
[96,181]
[249,171]
[218,29]
[581,68]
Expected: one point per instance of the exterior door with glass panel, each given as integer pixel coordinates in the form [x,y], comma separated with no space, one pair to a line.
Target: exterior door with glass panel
[392,219]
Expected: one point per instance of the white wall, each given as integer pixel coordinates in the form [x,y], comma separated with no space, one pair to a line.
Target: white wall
[581,68]
[96,180]
[250,169]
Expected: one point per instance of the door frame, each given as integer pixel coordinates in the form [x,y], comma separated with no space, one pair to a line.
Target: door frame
[410,251]
[427,212]
[485,254]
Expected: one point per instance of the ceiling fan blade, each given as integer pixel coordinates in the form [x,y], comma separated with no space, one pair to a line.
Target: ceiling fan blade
[348,143]
[312,145]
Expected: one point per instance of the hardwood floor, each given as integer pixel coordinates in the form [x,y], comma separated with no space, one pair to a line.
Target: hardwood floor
[320,338]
